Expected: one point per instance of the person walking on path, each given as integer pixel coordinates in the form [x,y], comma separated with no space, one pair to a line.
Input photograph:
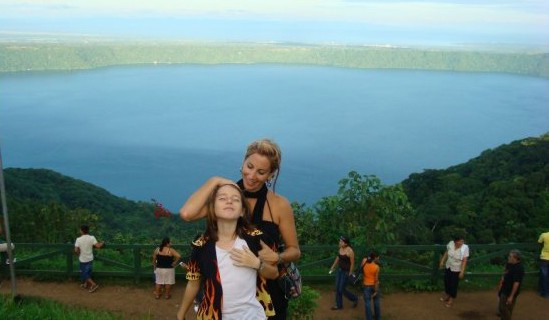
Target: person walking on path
[345,261]
[370,280]
[544,265]
[165,259]
[510,283]
[455,256]
[83,247]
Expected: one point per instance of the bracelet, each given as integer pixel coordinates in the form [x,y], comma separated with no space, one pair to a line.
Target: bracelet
[280,261]
[261,265]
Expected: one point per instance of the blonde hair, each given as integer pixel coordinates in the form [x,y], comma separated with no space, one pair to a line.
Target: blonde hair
[270,150]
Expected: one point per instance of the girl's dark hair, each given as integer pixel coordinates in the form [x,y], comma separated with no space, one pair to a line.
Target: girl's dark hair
[372,256]
[164,243]
[243,224]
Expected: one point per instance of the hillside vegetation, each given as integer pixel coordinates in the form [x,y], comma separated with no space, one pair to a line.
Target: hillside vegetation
[498,197]
[46,206]
[41,56]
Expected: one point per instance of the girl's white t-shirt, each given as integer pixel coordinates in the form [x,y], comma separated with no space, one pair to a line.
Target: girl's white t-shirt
[239,287]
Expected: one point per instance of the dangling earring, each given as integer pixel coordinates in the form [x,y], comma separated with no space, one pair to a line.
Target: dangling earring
[269,182]
[240,169]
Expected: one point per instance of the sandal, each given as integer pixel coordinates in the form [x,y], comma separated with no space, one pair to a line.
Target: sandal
[168,296]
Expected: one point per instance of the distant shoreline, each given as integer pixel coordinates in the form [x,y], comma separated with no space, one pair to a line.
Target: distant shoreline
[55,54]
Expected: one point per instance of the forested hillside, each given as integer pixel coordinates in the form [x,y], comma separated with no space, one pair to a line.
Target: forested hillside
[45,206]
[40,56]
[500,196]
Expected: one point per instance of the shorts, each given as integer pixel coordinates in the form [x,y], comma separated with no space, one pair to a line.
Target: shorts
[86,270]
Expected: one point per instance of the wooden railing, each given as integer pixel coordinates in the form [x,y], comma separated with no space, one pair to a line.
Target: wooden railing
[135,260]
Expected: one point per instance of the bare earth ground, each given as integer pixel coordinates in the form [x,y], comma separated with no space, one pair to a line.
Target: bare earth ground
[137,302]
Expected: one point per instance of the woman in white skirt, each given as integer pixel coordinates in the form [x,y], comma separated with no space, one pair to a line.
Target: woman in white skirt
[165,259]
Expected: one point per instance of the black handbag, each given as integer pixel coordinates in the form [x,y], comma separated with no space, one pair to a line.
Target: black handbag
[353,278]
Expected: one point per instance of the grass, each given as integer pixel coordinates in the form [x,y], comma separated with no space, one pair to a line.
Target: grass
[38,308]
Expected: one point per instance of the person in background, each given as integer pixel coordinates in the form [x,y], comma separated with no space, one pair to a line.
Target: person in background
[83,247]
[225,259]
[271,212]
[455,256]
[510,283]
[165,259]
[544,265]
[370,271]
[345,261]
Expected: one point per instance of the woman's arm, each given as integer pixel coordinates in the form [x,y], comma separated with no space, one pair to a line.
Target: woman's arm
[352,258]
[376,283]
[176,256]
[336,261]
[463,266]
[286,225]
[443,259]
[154,258]
[191,291]
[195,207]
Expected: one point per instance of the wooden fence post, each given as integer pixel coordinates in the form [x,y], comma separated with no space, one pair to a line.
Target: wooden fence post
[137,263]
[70,254]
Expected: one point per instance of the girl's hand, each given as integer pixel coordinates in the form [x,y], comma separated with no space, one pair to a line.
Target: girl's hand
[245,258]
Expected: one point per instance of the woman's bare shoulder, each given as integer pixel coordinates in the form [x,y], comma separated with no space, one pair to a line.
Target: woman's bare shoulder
[278,201]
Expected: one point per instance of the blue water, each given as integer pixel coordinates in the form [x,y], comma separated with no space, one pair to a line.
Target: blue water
[145,132]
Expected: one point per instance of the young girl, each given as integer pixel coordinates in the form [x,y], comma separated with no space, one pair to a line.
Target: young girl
[225,259]
[272,212]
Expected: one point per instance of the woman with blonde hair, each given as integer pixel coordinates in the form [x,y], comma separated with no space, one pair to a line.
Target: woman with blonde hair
[271,212]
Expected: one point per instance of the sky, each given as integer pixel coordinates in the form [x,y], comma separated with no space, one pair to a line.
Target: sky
[310,21]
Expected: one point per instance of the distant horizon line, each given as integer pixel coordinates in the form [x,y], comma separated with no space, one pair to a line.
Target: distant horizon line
[64,37]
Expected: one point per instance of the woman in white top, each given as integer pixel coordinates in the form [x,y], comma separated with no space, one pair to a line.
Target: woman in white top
[455,257]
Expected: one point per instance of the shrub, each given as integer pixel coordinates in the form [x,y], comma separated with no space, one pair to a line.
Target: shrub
[303,308]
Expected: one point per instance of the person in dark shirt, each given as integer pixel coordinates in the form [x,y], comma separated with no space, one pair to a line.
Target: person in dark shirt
[510,283]
[345,259]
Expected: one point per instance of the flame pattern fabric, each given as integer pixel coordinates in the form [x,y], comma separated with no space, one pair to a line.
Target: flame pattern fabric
[203,266]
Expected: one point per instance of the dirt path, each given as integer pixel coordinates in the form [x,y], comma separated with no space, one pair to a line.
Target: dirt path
[137,302]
